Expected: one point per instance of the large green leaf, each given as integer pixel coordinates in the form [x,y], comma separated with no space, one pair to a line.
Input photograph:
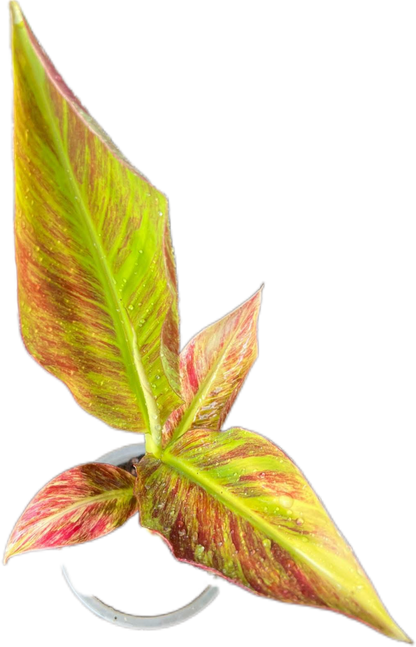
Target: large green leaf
[235,503]
[96,273]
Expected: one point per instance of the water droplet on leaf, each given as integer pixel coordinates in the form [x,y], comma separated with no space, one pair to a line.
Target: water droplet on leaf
[286,501]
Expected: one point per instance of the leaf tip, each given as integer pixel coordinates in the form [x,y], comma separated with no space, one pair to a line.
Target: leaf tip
[14,7]
[7,554]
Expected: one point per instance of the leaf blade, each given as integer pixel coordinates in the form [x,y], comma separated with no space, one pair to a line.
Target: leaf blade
[213,367]
[96,275]
[81,504]
[243,509]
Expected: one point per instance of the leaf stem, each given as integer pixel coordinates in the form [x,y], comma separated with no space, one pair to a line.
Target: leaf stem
[152,447]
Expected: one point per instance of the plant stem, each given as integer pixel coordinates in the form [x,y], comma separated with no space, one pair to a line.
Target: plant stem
[152,447]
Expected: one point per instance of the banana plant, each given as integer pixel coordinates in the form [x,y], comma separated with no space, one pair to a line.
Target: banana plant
[98,306]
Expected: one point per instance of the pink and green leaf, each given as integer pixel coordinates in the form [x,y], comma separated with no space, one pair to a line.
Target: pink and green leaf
[79,505]
[96,272]
[234,503]
[213,367]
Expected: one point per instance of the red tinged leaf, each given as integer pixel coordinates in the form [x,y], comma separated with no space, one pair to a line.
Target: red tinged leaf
[80,504]
[213,367]
[234,503]
[95,266]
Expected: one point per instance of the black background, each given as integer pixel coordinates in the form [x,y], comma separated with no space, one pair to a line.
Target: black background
[269,179]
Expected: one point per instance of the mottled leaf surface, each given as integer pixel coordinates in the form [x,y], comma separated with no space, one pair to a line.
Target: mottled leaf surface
[96,272]
[80,504]
[235,503]
[213,367]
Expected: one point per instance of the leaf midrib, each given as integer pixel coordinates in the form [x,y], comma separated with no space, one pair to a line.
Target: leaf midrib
[235,504]
[220,493]
[117,493]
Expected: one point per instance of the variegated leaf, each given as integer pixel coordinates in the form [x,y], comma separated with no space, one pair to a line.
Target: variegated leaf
[234,503]
[96,272]
[80,504]
[213,367]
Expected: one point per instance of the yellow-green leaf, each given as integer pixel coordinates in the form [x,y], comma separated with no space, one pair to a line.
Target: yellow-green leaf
[234,503]
[96,273]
